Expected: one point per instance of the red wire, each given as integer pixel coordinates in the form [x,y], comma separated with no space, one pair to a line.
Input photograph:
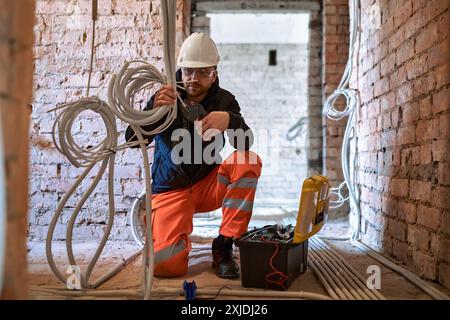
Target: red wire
[282,277]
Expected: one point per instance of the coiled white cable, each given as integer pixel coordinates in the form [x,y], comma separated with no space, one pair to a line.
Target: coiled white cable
[352,102]
[87,157]
[122,90]
[126,84]
[120,94]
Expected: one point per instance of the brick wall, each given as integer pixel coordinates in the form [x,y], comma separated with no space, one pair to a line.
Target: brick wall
[126,30]
[335,48]
[16,72]
[272,99]
[403,133]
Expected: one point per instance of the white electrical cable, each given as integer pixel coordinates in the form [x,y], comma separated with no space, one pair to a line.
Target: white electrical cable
[120,94]
[122,90]
[334,281]
[80,156]
[173,291]
[3,215]
[344,279]
[317,271]
[356,278]
[352,103]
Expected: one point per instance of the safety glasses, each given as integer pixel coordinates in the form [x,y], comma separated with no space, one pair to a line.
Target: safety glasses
[199,72]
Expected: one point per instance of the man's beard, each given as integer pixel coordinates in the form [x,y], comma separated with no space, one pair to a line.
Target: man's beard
[195,90]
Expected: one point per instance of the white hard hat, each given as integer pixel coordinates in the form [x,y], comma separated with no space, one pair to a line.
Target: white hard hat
[198,51]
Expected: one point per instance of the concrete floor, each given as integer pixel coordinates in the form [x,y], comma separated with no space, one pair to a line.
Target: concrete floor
[393,286]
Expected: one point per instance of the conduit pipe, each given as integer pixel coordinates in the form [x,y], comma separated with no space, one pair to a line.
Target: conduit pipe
[199,292]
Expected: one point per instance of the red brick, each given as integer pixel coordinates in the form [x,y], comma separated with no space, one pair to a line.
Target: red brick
[389,206]
[443,25]
[424,85]
[383,183]
[444,274]
[417,66]
[443,249]
[397,230]
[404,52]
[438,55]
[406,135]
[425,264]
[441,101]
[444,174]
[381,87]
[429,217]
[442,75]
[395,117]
[387,28]
[403,14]
[422,239]
[420,190]
[400,250]
[404,94]
[425,154]
[406,157]
[426,130]
[407,211]
[411,233]
[444,126]
[415,159]
[387,101]
[330,9]
[446,222]
[426,38]
[440,150]
[387,65]
[388,138]
[399,187]
[425,107]
[440,198]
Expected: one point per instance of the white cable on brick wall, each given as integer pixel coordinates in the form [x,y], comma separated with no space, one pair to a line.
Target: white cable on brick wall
[88,157]
[352,103]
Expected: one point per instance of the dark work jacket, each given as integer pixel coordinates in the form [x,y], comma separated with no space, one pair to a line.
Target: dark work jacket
[167,175]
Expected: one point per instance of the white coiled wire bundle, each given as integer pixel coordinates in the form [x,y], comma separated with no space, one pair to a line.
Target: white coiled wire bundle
[351,104]
[122,89]
[88,157]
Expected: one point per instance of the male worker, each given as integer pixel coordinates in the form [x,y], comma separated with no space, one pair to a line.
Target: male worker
[180,190]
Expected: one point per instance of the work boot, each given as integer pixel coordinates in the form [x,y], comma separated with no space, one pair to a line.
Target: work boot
[223,259]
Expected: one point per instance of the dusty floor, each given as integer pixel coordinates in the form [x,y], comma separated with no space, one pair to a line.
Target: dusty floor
[393,286]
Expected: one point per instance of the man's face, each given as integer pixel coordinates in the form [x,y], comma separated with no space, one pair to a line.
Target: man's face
[197,81]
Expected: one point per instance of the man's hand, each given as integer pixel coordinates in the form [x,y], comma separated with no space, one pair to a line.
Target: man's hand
[212,124]
[165,96]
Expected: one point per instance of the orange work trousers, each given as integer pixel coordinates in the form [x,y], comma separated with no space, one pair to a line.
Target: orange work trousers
[232,186]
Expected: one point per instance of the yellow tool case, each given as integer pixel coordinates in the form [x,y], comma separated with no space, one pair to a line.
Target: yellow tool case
[313,208]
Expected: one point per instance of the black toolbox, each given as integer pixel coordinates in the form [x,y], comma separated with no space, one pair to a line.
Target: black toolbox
[270,264]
